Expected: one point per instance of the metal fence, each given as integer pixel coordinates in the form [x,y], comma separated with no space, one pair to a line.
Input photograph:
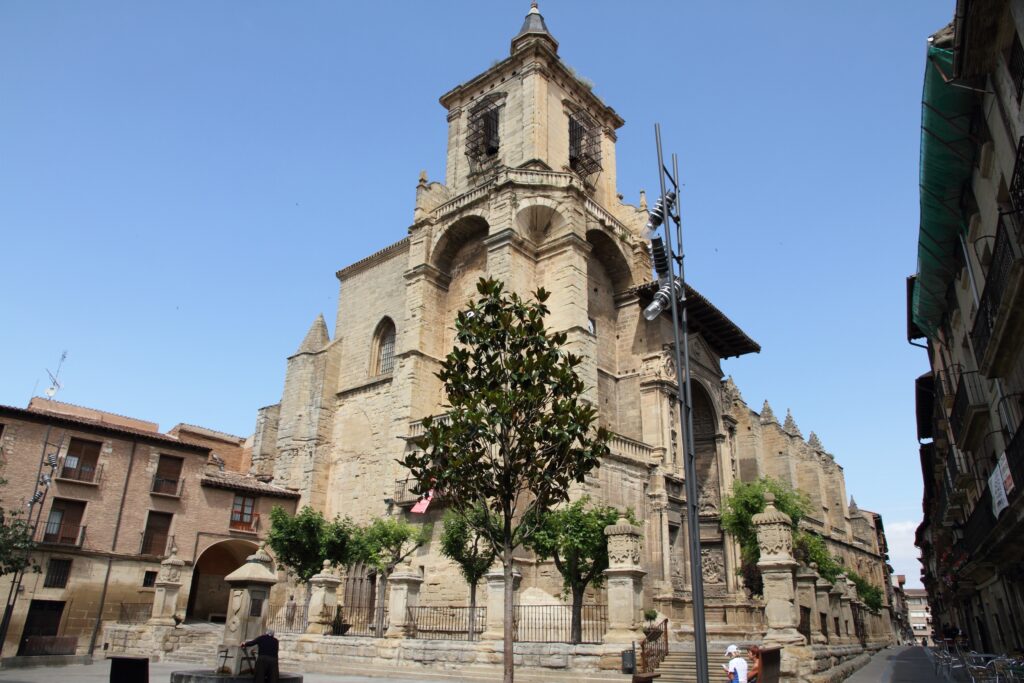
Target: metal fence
[135,612]
[345,621]
[446,623]
[362,621]
[553,623]
[284,620]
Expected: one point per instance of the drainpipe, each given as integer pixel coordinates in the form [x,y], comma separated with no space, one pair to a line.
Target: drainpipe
[113,549]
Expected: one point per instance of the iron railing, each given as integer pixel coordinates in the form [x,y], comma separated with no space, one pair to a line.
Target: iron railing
[241,522]
[1015,459]
[404,495]
[167,487]
[1004,254]
[135,612]
[446,623]
[54,533]
[86,473]
[287,618]
[653,649]
[156,543]
[553,623]
[362,621]
[980,522]
[1017,180]
[969,395]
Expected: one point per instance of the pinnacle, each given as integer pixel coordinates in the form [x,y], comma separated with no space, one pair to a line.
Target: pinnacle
[317,336]
[789,426]
[766,413]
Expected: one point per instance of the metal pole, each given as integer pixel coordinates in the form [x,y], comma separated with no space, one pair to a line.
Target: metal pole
[682,359]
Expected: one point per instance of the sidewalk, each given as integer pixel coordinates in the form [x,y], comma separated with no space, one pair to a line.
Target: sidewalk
[898,665]
[159,672]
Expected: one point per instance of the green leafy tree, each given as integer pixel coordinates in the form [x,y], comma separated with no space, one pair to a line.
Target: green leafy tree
[517,434]
[384,544]
[808,548]
[573,536]
[747,500]
[16,543]
[869,594]
[303,542]
[463,544]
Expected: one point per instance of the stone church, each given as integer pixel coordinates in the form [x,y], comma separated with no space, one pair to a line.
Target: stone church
[529,197]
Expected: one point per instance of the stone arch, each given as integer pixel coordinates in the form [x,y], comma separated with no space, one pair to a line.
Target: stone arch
[382,360]
[705,431]
[706,422]
[606,250]
[208,592]
[461,256]
[538,219]
[463,231]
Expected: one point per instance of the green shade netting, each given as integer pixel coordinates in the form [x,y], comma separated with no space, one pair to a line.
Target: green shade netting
[946,161]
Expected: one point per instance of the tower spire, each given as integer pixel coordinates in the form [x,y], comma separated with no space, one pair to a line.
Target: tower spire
[534,30]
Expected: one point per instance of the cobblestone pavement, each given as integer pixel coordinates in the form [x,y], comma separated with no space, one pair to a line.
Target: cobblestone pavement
[907,664]
[159,672]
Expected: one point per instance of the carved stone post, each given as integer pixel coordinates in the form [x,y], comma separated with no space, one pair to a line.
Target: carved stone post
[846,611]
[250,590]
[805,584]
[775,538]
[323,601]
[168,585]
[823,612]
[835,611]
[496,601]
[625,582]
[404,592]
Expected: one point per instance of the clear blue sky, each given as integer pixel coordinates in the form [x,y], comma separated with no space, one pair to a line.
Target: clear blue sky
[179,182]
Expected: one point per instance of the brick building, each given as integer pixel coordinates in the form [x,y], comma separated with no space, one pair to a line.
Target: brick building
[120,496]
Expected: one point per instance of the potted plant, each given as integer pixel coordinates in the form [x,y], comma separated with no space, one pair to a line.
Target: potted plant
[649,616]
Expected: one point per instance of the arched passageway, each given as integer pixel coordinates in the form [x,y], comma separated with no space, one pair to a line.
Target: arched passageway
[208,594]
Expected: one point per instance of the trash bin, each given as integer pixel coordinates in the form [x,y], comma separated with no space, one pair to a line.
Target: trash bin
[129,669]
[629,661]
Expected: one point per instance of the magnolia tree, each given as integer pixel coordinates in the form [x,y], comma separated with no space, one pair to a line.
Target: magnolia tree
[517,433]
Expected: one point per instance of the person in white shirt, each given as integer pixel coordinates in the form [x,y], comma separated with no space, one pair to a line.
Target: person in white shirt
[737,666]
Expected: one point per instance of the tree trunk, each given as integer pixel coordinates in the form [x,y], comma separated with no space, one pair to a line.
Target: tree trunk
[576,630]
[509,665]
[472,611]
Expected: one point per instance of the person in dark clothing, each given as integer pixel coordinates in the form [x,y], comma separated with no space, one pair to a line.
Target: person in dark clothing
[266,658]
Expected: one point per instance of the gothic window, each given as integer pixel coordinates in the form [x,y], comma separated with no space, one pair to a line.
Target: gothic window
[584,144]
[384,360]
[483,138]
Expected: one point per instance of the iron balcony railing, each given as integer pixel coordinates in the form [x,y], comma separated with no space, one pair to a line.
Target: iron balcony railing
[85,473]
[980,522]
[157,543]
[968,401]
[55,533]
[1004,253]
[1015,459]
[163,486]
[1017,180]
[241,522]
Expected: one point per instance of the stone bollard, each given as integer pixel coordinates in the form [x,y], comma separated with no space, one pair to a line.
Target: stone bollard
[625,583]
[775,539]
[323,601]
[806,578]
[168,585]
[821,589]
[404,589]
[496,601]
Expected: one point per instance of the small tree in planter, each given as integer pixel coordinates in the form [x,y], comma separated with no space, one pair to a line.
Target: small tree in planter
[649,616]
[462,543]
[384,545]
[302,542]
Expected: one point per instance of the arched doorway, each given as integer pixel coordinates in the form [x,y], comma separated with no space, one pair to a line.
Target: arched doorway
[208,594]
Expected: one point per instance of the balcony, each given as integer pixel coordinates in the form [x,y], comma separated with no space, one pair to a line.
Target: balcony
[82,473]
[404,495]
[980,523]
[55,533]
[162,486]
[249,524]
[1015,459]
[1000,315]
[968,405]
[156,543]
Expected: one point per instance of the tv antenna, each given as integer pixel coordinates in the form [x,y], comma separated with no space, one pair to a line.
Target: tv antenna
[55,385]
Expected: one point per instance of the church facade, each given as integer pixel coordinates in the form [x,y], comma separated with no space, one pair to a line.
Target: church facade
[530,198]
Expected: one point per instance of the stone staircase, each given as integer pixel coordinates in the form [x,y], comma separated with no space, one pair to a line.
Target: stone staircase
[680,666]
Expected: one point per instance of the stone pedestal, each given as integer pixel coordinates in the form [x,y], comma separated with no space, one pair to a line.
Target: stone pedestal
[821,589]
[806,578]
[846,612]
[168,585]
[323,600]
[496,601]
[247,602]
[404,591]
[775,539]
[625,583]
[835,612]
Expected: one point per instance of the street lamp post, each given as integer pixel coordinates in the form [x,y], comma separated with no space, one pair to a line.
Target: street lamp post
[672,294]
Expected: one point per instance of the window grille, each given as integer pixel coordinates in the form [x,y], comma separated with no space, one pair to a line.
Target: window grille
[584,144]
[1016,66]
[483,138]
[57,572]
[386,350]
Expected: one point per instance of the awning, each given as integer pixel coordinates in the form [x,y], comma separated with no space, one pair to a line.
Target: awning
[947,156]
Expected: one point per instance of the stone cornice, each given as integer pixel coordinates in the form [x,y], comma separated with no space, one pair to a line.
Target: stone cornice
[374,259]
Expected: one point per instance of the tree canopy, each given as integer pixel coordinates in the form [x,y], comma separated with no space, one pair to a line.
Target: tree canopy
[302,542]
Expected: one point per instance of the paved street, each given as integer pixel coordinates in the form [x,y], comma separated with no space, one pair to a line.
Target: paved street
[160,672]
[898,665]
